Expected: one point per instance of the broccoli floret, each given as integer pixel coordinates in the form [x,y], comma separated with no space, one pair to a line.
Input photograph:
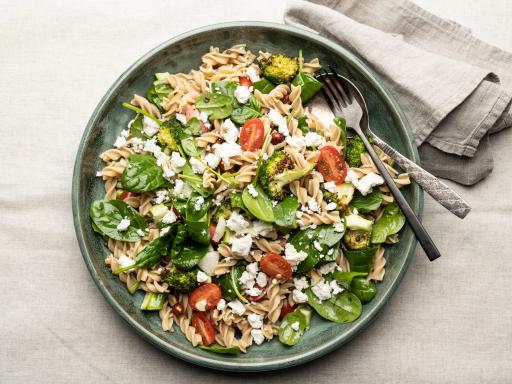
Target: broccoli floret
[277,172]
[357,239]
[167,140]
[279,68]
[331,197]
[353,151]
[224,211]
[180,281]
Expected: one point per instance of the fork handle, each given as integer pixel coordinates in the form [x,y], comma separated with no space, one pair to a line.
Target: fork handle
[442,193]
[419,230]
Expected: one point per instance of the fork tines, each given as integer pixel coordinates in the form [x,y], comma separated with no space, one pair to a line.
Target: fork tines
[333,91]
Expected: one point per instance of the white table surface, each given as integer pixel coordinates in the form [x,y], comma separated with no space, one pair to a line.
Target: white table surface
[449,321]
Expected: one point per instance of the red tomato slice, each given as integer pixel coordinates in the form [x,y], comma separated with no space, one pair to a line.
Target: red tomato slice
[244,80]
[125,195]
[212,232]
[190,112]
[251,135]
[331,165]
[276,266]
[285,309]
[202,323]
[205,297]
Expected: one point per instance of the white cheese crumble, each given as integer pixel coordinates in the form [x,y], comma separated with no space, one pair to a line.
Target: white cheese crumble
[331,206]
[123,225]
[299,297]
[252,191]
[199,203]
[201,305]
[261,279]
[301,284]
[197,166]
[236,222]
[164,231]
[322,290]
[253,74]
[124,261]
[237,307]
[327,268]
[241,246]
[229,131]
[255,320]
[317,246]
[125,133]
[242,94]
[313,205]
[296,141]
[203,116]
[212,160]
[169,217]
[150,126]
[293,256]
[227,150]
[99,174]
[202,277]
[335,288]
[161,196]
[221,305]
[181,118]
[140,232]
[366,183]
[295,326]
[257,336]
[330,186]
[177,161]
[253,291]
[339,227]
[313,139]
[280,121]
[120,142]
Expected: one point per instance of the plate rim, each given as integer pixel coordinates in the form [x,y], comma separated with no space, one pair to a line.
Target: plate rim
[226,364]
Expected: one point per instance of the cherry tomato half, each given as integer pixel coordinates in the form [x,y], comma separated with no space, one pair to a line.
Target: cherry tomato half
[276,266]
[202,323]
[331,164]
[205,297]
[285,309]
[126,195]
[244,80]
[251,135]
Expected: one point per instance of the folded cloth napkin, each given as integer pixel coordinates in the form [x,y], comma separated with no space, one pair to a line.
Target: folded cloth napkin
[454,89]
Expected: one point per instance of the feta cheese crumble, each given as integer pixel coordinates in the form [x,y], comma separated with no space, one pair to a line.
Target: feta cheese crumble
[253,74]
[296,141]
[212,160]
[331,206]
[322,290]
[241,246]
[149,126]
[366,183]
[330,186]
[313,205]
[198,203]
[301,284]
[229,131]
[197,166]
[169,217]
[257,336]
[242,93]
[313,139]
[317,246]
[236,222]
[339,227]
[181,118]
[276,118]
[252,191]
[202,277]
[327,268]
[299,297]
[227,150]
[120,142]
[124,261]
[123,225]
[255,320]
[237,307]
[221,304]
[293,256]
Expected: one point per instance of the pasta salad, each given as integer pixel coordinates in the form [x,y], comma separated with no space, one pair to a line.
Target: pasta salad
[237,211]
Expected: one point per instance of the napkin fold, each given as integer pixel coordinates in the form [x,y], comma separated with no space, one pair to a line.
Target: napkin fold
[455,89]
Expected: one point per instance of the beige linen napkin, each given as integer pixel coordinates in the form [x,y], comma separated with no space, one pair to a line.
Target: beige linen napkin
[454,89]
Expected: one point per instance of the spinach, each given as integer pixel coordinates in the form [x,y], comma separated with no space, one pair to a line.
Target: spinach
[364,289]
[189,146]
[158,91]
[136,127]
[179,241]
[224,87]
[215,105]
[345,278]
[180,205]
[288,335]
[309,85]
[344,307]
[263,85]
[285,213]
[217,348]
[193,127]
[151,253]
[391,221]
[193,214]
[142,174]
[236,201]
[342,124]
[305,240]
[195,181]
[367,203]
[198,221]
[302,124]
[190,255]
[360,260]
[246,111]
[230,284]
[260,206]
[107,214]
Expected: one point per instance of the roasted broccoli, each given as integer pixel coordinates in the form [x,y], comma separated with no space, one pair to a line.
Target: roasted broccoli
[167,140]
[279,68]
[357,239]
[343,195]
[224,211]
[180,281]
[277,172]
[353,151]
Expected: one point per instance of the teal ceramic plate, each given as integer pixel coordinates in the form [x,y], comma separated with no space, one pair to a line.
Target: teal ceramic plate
[181,54]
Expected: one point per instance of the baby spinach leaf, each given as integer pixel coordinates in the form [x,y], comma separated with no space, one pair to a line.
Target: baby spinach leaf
[136,127]
[243,113]
[189,147]
[263,85]
[236,201]
[224,87]
[230,282]
[345,278]
[195,181]
[302,124]
[260,206]
[345,307]
[142,174]
[328,236]
[193,127]
[360,260]
[287,334]
[309,85]
[151,253]
[215,105]
[197,201]
[190,255]
[364,289]
[180,205]
[285,213]
[107,214]
[367,203]
[179,240]
[217,348]
[391,221]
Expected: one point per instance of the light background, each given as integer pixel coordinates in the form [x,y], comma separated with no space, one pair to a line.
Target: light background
[449,321]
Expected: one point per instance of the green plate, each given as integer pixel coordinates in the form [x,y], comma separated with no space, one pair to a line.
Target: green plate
[181,54]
